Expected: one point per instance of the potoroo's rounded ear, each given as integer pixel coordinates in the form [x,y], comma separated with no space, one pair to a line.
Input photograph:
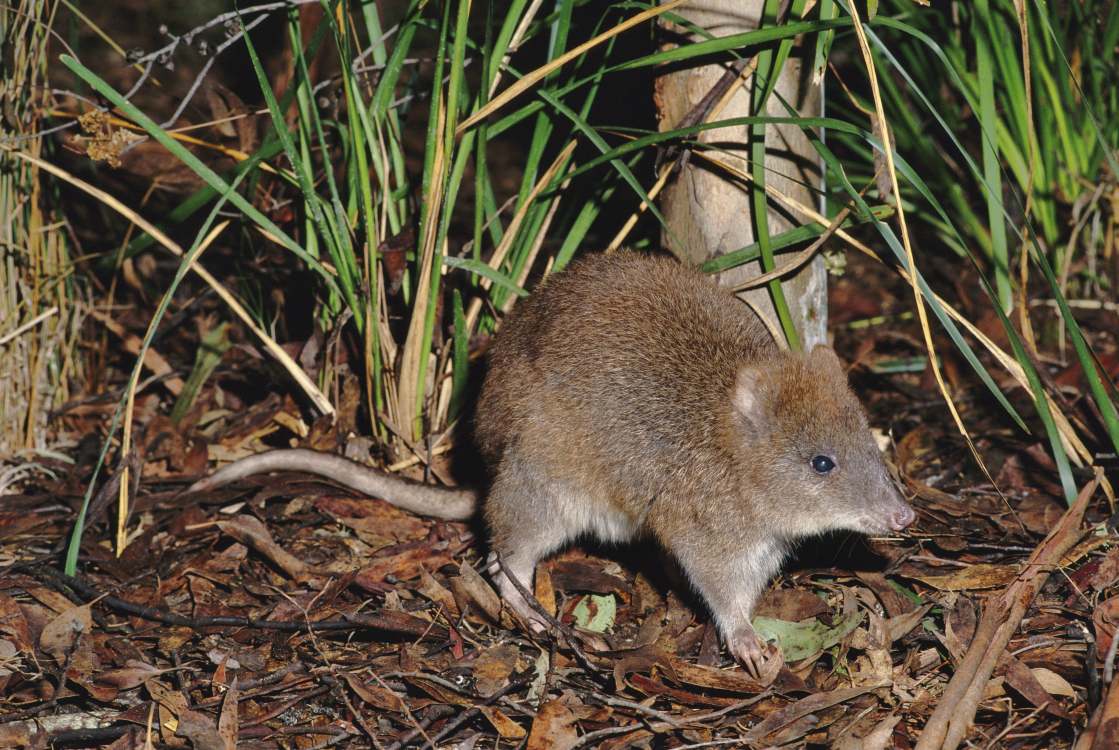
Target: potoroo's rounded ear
[749,396]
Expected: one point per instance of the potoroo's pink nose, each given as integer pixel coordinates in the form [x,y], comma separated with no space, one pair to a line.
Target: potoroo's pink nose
[901,516]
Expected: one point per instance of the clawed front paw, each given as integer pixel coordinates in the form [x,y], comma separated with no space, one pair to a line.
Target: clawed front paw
[760,659]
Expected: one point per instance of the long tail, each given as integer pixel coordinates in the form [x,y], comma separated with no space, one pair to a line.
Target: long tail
[423,499]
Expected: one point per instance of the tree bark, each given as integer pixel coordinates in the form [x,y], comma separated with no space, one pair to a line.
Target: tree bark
[708,213]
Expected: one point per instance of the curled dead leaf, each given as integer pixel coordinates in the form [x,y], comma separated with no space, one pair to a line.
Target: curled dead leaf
[133,674]
[61,635]
[470,588]
[977,576]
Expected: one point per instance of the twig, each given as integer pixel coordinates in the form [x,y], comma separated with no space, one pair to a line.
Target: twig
[640,708]
[568,634]
[390,622]
[667,722]
[958,703]
[198,79]
[804,255]
[463,717]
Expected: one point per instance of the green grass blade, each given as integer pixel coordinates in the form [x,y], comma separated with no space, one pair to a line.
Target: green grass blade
[479,268]
[786,239]
[991,168]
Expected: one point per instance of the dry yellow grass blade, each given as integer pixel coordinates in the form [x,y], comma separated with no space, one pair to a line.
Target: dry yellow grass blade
[153,361]
[305,383]
[48,313]
[409,389]
[534,251]
[883,128]
[498,257]
[502,249]
[130,403]
[531,79]
[631,222]
[515,42]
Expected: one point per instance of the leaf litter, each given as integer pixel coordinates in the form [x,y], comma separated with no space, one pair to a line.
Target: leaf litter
[285,613]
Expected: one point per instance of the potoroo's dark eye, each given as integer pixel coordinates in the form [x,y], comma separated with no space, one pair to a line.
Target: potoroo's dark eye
[822,464]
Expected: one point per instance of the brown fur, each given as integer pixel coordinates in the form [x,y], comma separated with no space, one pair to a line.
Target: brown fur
[630,396]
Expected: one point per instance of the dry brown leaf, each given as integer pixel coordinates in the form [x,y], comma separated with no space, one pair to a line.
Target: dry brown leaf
[902,625]
[733,680]
[52,599]
[228,720]
[803,707]
[493,667]
[891,599]
[133,674]
[576,574]
[879,738]
[790,605]
[651,686]
[977,576]
[375,522]
[553,728]
[1053,683]
[1019,677]
[171,703]
[874,666]
[61,635]
[1039,513]
[1107,573]
[959,627]
[505,726]
[14,625]
[640,660]
[374,695]
[1105,618]
[439,693]
[200,730]
[545,589]
[403,565]
[438,593]
[470,588]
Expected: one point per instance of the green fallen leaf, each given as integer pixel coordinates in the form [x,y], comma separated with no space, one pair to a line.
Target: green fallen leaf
[799,640]
[595,613]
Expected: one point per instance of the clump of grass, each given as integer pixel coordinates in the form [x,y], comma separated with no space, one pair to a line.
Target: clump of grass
[39,299]
[1005,132]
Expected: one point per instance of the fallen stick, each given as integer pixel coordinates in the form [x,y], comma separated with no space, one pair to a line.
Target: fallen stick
[956,709]
[1102,731]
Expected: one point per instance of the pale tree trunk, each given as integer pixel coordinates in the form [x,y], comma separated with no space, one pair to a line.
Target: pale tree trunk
[709,213]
